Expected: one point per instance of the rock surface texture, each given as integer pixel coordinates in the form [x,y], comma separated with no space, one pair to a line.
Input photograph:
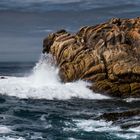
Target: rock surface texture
[107,55]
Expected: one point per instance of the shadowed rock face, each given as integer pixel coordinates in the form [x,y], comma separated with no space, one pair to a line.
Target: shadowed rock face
[107,55]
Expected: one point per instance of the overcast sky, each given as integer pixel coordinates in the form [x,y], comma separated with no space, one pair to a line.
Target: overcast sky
[25,23]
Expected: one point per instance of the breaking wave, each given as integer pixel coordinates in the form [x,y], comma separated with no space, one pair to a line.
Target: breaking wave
[4,129]
[103,126]
[44,83]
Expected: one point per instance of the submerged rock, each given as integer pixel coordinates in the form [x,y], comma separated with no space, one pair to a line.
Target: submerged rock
[2,77]
[107,55]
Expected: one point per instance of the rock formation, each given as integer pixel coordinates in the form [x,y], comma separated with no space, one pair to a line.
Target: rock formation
[107,55]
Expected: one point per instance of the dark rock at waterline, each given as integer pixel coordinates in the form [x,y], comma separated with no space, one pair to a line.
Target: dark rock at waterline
[114,116]
[2,77]
[124,118]
[107,55]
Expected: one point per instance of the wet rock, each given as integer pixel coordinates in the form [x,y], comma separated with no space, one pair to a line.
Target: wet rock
[126,119]
[107,55]
[114,116]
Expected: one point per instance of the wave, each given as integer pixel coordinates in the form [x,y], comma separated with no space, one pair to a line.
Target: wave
[44,83]
[11,138]
[103,126]
[4,129]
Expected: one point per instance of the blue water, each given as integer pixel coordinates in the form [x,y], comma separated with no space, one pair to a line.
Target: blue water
[34,104]
[64,120]
[33,110]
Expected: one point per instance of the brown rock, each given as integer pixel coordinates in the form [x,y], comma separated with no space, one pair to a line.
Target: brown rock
[108,55]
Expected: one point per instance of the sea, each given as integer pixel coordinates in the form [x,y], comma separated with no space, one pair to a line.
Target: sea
[34,103]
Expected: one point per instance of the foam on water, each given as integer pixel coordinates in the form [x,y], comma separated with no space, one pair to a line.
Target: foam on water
[127,136]
[103,126]
[11,138]
[4,129]
[98,126]
[131,99]
[44,83]
[136,129]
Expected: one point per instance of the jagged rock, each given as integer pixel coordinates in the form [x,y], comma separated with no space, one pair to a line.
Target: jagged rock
[107,55]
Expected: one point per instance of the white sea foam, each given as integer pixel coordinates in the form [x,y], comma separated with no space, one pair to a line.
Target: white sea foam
[4,129]
[98,126]
[127,136]
[103,126]
[11,138]
[135,129]
[44,83]
[131,99]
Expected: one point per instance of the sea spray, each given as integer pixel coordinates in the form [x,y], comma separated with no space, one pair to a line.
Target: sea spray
[45,72]
[44,83]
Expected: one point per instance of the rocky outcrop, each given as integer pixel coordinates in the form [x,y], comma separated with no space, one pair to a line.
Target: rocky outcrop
[107,55]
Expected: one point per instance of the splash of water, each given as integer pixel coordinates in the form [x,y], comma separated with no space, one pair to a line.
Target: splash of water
[44,83]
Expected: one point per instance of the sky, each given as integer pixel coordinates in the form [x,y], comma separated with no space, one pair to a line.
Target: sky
[25,23]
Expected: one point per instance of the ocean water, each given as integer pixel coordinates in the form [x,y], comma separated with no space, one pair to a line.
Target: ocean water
[34,103]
